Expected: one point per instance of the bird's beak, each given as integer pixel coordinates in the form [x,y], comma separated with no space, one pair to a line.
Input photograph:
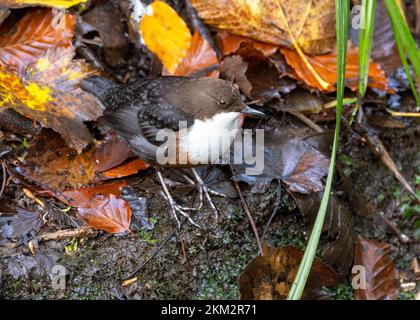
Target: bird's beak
[252,112]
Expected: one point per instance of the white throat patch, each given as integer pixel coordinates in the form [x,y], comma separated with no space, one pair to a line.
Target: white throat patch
[208,140]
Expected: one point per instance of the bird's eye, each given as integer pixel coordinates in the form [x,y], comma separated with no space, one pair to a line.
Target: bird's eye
[222,103]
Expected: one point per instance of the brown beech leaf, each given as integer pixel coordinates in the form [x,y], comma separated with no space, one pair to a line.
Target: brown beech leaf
[326,67]
[32,36]
[54,164]
[48,3]
[270,276]
[257,79]
[107,19]
[310,24]
[200,56]
[231,44]
[381,274]
[101,207]
[111,153]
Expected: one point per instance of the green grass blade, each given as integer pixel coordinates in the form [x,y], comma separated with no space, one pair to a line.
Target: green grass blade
[365,43]
[401,50]
[406,37]
[342,18]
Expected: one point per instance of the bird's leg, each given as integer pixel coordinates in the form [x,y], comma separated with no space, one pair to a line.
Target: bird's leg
[176,208]
[203,189]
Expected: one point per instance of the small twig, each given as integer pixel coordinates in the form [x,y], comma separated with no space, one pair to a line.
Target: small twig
[307,121]
[403,237]
[248,212]
[276,208]
[82,232]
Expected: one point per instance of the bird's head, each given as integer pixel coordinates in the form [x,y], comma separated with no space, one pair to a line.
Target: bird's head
[214,96]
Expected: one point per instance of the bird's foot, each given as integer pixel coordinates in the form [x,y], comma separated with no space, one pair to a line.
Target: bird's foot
[176,209]
[202,188]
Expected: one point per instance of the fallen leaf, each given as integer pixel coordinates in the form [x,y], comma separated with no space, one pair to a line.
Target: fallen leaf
[165,34]
[32,36]
[233,68]
[111,153]
[126,169]
[101,207]
[200,56]
[270,276]
[231,44]
[49,161]
[293,161]
[337,244]
[48,3]
[112,215]
[140,218]
[311,24]
[326,67]
[49,91]
[17,223]
[381,274]
[63,168]
[107,19]
[257,79]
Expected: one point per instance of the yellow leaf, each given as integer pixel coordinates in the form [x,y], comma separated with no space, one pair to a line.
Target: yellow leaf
[165,34]
[48,3]
[311,24]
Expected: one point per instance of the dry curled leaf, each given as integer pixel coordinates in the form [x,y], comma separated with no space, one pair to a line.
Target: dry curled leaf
[379,271]
[271,275]
[47,3]
[200,56]
[326,67]
[165,34]
[310,24]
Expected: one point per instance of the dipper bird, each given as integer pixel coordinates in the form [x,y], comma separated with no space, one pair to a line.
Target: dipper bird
[207,108]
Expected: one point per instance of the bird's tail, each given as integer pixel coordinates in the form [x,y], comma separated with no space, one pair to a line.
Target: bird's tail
[98,86]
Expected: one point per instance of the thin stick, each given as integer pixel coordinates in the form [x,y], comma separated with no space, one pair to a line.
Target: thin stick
[251,220]
[154,253]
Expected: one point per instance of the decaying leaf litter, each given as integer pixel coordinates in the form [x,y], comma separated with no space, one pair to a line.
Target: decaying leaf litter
[61,172]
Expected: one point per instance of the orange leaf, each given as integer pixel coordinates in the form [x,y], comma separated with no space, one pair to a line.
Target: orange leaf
[111,215]
[281,22]
[231,43]
[165,34]
[86,197]
[100,206]
[326,67]
[32,36]
[126,169]
[200,56]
